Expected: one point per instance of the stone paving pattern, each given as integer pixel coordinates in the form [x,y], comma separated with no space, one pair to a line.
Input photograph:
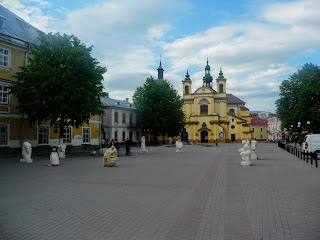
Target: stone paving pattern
[203,193]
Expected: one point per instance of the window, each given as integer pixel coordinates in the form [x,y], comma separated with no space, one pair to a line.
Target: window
[261,136]
[130,118]
[4,134]
[123,117]
[186,89]
[86,134]
[116,136]
[43,134]
[203,106]
[116,117]
[261,129]
[67,135]
[4,57]
[220,88]
[123,136]
[231,111]
[4,94]
[252,129]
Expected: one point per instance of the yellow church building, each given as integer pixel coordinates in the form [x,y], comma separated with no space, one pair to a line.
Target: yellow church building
[214,114]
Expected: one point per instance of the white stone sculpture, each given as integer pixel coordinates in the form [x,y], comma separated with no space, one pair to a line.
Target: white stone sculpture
[143,145]
[254,155]
[54,158]
[62,150]
[179,146]
[26,153]
[241,149]
[110,157]
[245,154]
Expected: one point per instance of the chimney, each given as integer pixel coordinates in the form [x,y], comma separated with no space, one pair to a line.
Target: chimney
[127,99]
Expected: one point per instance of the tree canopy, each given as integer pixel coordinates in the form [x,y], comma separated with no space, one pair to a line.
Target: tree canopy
[300,100]
[62,83]
[160,108]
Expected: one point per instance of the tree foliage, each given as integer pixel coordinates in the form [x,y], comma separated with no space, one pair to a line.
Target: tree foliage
[300,100]
[62,84]
[160,108]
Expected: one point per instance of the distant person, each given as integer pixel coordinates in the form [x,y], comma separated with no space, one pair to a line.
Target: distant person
[117,146]
[108,143]
[112,142]
[137,142]
[216,142]
[103,143]
[127,144]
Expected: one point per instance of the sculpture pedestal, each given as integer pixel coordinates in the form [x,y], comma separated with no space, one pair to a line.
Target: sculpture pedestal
[143,151]
[29,160]
[245,163]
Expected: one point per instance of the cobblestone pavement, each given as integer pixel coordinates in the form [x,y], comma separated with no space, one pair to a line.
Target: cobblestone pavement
[202,193]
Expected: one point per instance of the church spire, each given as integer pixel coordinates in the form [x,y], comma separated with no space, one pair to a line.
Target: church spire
[160,71]
[207,79]
[187,77]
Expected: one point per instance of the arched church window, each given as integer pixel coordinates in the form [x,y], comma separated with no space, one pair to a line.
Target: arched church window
[186,89]
[220,88]
[232,111]
[203,106]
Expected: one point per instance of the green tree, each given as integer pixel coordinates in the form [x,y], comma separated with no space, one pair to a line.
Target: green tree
[62,84]
[160,108]
[300,99]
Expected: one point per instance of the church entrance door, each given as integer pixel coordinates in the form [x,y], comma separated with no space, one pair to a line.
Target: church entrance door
[204,136]
[184,135]
[233,137]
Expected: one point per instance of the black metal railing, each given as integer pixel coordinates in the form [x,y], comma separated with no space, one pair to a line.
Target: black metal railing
[299,153]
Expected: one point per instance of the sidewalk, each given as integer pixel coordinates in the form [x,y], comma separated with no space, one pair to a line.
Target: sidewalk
[203,193]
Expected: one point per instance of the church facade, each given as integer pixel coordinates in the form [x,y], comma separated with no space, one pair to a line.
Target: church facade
[214,114]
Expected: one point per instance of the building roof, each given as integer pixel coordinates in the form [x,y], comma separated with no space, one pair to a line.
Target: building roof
[244,109]
[231,99]
[259,121]
[109,102]
[16,27]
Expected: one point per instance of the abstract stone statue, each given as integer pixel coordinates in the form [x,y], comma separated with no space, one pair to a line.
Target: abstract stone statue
[179,146]
[26,153]
[62,150]
[254,155]
[110,157]
[143,145]
[54,158]
[245,154]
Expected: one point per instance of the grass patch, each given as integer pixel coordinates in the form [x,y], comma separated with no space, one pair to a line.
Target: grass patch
[206,145]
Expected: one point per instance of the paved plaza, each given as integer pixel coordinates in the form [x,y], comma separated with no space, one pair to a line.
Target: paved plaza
[202,193]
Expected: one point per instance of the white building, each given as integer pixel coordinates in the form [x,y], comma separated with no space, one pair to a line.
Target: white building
[274,128]
[120,120]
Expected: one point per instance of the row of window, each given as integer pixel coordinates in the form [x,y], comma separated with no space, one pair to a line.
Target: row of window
[44,134]
[204,107]
[186,89]
[261,129]
[116,118]
[124,136]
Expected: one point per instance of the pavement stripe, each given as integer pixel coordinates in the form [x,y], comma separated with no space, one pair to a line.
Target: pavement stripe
[187,224]
[237,224]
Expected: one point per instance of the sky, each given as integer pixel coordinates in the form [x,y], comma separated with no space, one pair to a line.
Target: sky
[257,43]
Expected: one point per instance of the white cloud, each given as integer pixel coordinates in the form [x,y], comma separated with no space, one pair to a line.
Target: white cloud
[32,12]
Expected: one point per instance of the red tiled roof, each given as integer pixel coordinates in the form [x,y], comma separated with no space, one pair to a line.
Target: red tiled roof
[259,121]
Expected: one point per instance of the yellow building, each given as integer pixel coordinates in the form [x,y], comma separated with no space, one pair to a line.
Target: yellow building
[16,39]
[212,114]
[259,128]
